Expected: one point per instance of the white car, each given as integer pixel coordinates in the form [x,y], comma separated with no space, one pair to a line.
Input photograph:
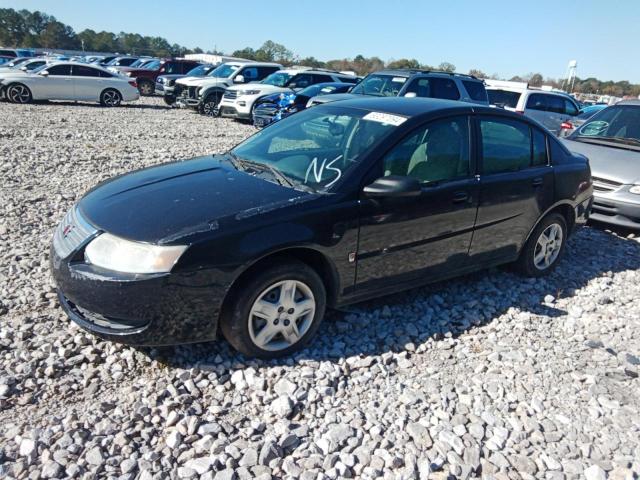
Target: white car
[205,93]
[549,107]
[238,100]
[69,81]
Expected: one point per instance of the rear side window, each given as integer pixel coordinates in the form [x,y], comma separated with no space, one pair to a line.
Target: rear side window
[348,79]
[8,53]
[59,70]
[506,145]
[503,98]
[539,148]
[429,87]
[264,72]
[537,101]
[555,104]
[104,74]
[475,90]
[171,68]
[322,79]
[82,71]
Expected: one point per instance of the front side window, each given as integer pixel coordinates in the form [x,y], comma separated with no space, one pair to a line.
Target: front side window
[436,152]
[250,74]
[569,107]
[223,71]
[301,80]
[380,85]
[171,68]
[58,70]
[506,145]
[318,146]
[555,104]
[431,87]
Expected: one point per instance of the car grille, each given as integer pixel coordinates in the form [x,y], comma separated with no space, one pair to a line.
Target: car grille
[231,94]
[604,185]
[267,109]
[72,231]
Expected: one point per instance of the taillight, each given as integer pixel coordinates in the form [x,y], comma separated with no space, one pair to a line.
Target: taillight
[133,83]
[566,126]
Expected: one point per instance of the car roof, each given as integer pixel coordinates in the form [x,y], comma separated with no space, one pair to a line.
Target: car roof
[404,106]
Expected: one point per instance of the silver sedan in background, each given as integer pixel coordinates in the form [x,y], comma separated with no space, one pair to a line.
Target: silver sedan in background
[611,141]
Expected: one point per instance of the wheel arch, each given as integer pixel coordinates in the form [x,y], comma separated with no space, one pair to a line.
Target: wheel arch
[313,258]
[564,208]
[212,90]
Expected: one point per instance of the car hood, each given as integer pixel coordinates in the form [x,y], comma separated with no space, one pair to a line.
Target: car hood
[264,89]
[612,163]
[9,75]
[180,202]
[335,97]
[201,81]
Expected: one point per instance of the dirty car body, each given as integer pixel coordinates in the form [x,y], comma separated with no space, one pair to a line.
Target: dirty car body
[227,217]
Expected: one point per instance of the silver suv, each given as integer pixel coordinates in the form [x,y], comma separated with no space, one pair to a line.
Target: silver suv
[415,83]
[550,108]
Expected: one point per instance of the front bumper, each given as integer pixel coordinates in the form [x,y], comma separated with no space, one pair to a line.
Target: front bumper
[235,109]
[608,209]
[158,309]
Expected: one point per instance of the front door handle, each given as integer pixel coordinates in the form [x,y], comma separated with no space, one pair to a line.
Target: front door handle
[537,182]
[460,197]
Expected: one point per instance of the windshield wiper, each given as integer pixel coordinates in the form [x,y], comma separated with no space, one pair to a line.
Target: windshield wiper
[281,178]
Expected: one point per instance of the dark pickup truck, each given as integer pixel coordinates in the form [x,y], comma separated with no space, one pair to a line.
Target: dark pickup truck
[146,77]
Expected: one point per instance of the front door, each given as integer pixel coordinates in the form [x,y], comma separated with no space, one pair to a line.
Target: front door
[404,240]
[516,187]
[58,84]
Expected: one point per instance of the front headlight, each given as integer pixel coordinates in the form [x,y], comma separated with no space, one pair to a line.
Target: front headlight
[635,189]
[114,253]
[248,92]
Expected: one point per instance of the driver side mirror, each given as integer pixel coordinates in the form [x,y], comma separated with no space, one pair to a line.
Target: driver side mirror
[238,79]
[44,73]
[24,69]
[393,186]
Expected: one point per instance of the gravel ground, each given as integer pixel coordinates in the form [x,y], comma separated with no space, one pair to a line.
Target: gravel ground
[490,376]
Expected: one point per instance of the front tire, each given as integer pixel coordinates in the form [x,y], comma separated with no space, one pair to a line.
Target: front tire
[19,93]
[146,88]
[169,100]
[110,98]
[275,312]
[544,248]
[210,104]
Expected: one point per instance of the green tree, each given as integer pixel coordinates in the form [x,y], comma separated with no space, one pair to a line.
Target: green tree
[59,35]
[404,63]
[478,73]
[447,67]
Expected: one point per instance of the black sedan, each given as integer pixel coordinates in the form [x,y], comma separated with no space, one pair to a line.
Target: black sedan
[336,204]
[277,106]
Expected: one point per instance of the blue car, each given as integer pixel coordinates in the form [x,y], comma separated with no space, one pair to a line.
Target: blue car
[274,107]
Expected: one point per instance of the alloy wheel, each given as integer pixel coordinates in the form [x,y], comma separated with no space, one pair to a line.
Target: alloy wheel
[281,315]
[146,88]
[111,98]
[19,94]
[548,247]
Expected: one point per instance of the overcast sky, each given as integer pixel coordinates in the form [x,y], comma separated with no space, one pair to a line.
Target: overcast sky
[504,37]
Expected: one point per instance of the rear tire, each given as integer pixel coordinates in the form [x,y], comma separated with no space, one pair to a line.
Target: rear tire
[276,311]
[19,93]
[110,98]
[146,88]
[544,248]
[169,100]
[209,106]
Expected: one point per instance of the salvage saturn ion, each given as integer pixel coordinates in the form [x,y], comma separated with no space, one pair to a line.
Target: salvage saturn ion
[336,204]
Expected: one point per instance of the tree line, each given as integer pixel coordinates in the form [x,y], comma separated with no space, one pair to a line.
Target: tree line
[23,28]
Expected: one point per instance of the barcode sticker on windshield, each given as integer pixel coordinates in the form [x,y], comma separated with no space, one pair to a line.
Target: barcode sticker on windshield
[387,118]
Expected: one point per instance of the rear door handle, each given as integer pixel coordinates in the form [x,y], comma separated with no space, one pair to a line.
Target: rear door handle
[537,182]
[460,197]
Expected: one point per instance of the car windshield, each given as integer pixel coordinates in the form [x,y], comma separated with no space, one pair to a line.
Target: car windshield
[138,62]
[317,147]
[380,85]
[153,65]
[503,98]
[618,124]
[223,71]
[277,79]
[17,62]
[199,71]
[4,60]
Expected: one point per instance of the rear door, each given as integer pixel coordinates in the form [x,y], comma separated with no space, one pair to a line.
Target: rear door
[88,85]
[539,108]
[516,186]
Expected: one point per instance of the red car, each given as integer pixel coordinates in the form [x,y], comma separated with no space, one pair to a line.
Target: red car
[146,77]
